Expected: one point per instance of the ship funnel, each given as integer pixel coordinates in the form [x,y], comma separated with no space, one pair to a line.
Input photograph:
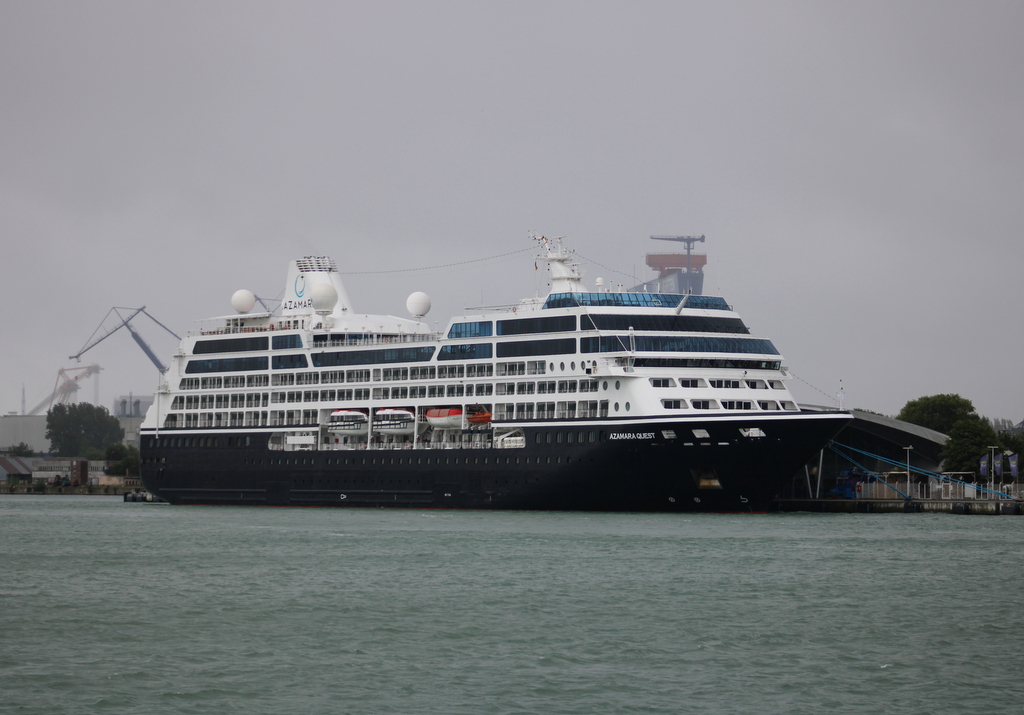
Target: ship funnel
[314,286]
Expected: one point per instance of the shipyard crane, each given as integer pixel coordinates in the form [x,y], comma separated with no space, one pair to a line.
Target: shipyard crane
[67,384]
[126,324]
[664,262]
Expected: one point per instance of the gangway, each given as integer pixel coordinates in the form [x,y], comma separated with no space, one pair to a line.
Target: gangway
[940,477]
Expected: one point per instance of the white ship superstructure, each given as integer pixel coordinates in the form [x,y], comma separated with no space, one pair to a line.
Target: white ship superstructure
[318,404]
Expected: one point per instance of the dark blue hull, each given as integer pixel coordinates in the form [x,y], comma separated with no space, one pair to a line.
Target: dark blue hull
[639,466]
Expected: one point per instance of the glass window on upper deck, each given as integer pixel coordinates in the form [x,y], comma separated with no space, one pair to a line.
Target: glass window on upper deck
[644,300]
[476,329]
[287,342]
[672,343]
[575,300]
[527,326]
[667,323]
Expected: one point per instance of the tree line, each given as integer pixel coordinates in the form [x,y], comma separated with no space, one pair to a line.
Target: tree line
[970,434]
[91,432]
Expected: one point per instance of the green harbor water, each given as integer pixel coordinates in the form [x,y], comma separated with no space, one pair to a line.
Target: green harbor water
[110,607]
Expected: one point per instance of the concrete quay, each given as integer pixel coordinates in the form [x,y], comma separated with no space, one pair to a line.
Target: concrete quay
[901,506]
[93,490]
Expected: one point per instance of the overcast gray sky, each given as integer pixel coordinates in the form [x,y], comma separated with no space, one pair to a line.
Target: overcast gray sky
[857,167]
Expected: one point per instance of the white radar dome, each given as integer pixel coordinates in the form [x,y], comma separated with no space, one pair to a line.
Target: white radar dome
[243,300]
[418,304]
[325,297]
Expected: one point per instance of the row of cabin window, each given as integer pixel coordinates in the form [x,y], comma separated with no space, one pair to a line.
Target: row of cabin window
[275,418]
[432,391]
[193,420]
[548,387]
[433,373]
[443,372]
[229,401]
[722,384]
[216,383]
[559,437]
[766,405]
[550,410]
[202,402]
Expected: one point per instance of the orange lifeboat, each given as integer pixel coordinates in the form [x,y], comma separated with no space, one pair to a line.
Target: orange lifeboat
[445,417]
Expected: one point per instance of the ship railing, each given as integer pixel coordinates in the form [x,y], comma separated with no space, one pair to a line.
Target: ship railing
[394,447]
[363,340]
[526,305]
[376,340]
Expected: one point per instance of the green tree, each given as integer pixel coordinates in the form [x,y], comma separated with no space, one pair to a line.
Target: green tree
[123,460]
[938,412]
[21,449]
[969,441]
[1012,441]
[74,429]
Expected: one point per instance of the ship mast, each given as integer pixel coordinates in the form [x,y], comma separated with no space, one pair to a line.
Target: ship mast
[565,274]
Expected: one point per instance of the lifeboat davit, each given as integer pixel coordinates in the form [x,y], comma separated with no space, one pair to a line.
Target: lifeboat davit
[347,421]
[392,421]
[445,417]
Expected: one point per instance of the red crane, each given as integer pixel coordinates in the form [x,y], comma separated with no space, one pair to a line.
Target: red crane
[66,386]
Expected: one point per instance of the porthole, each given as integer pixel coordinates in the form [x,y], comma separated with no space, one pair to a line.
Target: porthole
[604,385]
[627,407]
[573,364]
[618,384]
[616,406]
[561,366]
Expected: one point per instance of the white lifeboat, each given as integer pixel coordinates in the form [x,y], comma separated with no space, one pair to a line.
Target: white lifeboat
[445,417]
[394,421]
[346,421]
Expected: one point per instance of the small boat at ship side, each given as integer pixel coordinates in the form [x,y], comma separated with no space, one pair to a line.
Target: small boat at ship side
[445,417]
[347,421]
[394,421]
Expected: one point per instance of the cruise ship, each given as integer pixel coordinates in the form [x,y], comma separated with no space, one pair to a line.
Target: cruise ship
[584,399]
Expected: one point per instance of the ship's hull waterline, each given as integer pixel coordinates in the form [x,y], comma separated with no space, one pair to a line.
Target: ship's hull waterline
[628,467]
